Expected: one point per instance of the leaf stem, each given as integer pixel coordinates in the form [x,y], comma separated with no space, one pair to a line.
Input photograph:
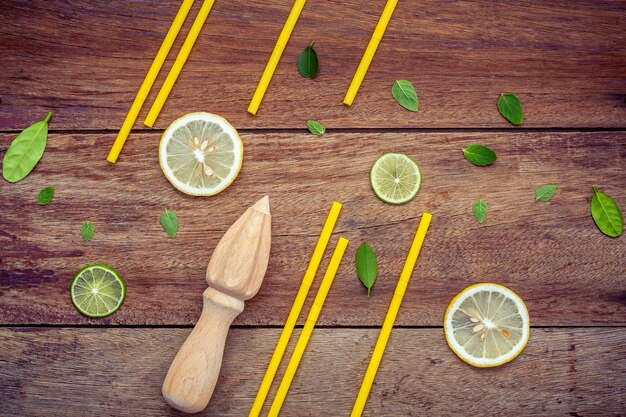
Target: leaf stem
[48,117]
[312,43]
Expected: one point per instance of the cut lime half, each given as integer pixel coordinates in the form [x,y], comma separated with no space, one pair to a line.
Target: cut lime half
[97,291]
[395,178]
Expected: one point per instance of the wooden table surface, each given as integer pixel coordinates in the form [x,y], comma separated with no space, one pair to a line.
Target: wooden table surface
[84,61]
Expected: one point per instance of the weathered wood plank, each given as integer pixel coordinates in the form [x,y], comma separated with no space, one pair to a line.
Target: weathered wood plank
[79,372]
[85,61]
[550,253]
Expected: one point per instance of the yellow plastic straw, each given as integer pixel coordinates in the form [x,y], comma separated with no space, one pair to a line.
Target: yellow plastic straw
[316,308]
[179,63]
[281,43]
[390,319]
[309,275]
[370,51]
[149,80]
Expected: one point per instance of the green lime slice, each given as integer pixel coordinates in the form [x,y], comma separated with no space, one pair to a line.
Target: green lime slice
[395,178]
[97,291]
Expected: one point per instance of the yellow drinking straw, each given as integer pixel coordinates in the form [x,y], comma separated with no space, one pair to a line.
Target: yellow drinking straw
[383,337]
[309,275]
[281,43]
[369,52]
[149,80]
[179,63]
[316,308]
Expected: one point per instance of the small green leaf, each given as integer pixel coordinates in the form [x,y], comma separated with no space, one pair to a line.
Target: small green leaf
[366,266]
[510,108]
[315,128]
[87,231]
[45,196]
[606,214]
[545,192]
[479,208]
[479,155]
[25,151]
[405,94]
[169,221]
[307,62]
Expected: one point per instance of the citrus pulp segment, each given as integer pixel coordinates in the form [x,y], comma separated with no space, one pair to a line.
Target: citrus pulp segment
[487,325]
[200,154]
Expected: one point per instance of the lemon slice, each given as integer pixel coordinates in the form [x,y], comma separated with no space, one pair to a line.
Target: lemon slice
[395,178]
[487,325]
[200,154]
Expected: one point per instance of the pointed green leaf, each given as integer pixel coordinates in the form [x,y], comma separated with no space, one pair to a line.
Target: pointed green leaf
[606,214]
[479,208]
[169,221]
[366,266]
[545,192]
[510,108]
[45,196]
[307,62]
[25,151]
[315,128]
[479,155]
[405,94]
[87,231]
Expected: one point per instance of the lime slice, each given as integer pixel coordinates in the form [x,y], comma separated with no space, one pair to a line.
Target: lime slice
[97,291]
[200,154]
[395,178]
[487,325]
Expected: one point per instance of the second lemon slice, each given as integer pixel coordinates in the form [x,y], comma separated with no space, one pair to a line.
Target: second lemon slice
[200,154]
[487,325]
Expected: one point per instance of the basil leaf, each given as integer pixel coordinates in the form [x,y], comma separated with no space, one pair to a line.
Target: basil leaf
[169,221]
[545,192]
[479,155]
[405,94]
[45,196]
[366,266]
[315,128]
[307,62]
[606,214]
[87,231]
[25,151]
[479,208]
[510,108]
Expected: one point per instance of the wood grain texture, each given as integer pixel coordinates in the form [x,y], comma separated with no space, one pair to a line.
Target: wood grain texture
[551,254]
[85,61]
[88,372]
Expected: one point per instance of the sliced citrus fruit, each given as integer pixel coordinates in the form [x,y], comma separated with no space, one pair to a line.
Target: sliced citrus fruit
[200,154]
[487,325]
[395,178]
[97,291]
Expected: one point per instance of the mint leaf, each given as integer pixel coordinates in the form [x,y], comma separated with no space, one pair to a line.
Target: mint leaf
[405,94]
[479,155]
[25,151]
[45,196]
[545,192]
[606,214]
[366,266]
[307,62]
[479,209]
[315,128]
[510,108]
[87,231]
[169,221]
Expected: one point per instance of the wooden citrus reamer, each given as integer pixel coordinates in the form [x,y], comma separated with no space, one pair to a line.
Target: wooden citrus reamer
[234,274]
